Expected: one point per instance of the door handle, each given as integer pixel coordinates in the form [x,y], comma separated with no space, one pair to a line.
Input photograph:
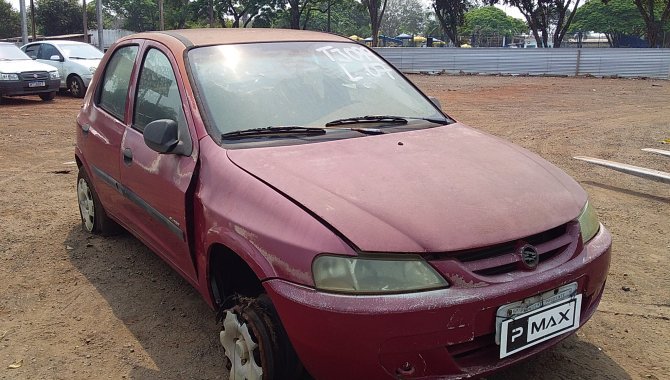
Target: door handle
[85,127]
[127,156]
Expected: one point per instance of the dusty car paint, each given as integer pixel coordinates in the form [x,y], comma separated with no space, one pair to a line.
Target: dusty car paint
[439,191]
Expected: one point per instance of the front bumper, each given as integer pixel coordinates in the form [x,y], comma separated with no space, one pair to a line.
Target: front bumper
[22,87]
[447,333]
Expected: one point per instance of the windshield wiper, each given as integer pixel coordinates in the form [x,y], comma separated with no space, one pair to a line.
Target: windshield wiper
[278,130]
[368,119]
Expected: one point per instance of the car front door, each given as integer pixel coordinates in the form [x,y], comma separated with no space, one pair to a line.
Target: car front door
[158,184]
[44,55]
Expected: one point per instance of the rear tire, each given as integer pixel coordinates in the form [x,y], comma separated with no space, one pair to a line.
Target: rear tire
[48,96]
[76,86]
[94,219]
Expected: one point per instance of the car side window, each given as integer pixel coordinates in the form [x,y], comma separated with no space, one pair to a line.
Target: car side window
[47,51]
[157,92]
[31,50]
[116,80]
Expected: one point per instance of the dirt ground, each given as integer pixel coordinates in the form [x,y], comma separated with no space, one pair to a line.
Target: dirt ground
[79,307]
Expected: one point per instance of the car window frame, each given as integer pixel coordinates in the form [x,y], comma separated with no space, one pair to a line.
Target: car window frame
[131,79]
[140,67]
[187,132]
[37,47]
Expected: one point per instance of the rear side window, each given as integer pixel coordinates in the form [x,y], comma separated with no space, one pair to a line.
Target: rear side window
[116,80]
[157,92]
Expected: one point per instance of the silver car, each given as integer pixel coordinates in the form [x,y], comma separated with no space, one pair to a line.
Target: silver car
[76,62]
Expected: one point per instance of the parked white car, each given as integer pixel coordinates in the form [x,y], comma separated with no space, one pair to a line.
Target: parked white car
[76,62]
[19,75]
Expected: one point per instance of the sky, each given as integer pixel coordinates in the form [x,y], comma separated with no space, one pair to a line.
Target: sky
[509,10]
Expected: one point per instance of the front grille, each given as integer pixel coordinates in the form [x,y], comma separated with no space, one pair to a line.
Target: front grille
[35,75]
[503,258]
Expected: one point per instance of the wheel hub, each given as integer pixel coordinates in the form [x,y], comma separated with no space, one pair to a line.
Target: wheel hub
[86,204]
[239,346]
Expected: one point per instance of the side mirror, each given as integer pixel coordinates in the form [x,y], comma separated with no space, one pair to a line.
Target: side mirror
[162,135]
[55,58]
[435,101]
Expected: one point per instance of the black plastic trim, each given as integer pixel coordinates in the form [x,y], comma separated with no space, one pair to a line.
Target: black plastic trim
[141,203]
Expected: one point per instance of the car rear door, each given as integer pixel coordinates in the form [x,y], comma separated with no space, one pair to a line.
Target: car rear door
[158,184]
[102,124]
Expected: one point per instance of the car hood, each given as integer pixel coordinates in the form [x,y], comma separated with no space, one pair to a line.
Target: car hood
[23,65]
[433,190]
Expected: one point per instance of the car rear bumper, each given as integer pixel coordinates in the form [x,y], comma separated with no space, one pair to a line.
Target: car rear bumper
[21,87]
[447,333]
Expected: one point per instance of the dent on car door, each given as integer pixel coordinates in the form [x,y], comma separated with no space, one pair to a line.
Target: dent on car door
[101,129]
[157,183]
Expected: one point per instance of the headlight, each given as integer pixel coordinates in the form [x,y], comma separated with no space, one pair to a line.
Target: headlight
[372,275]
[91,69]
[54,75]
[588,222]
[9,76]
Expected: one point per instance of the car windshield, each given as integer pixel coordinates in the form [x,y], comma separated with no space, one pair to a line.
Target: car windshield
[81,51]
[11,53]
[299,83]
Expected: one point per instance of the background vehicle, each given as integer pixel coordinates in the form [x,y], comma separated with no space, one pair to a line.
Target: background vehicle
[327,209]
[19,75]
[76,62]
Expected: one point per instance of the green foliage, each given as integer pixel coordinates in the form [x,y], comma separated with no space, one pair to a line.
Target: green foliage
[11,21]
[56,17]
[403,16]
[138,15]
[617,16]
[451,15]
[492,21]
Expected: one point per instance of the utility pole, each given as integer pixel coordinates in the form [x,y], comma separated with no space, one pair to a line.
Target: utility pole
[24,22]
[85,23]
[160,15]
[98,11]
[32,18]
[211,13]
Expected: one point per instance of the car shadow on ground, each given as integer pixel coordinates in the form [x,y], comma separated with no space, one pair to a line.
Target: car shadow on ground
[8,101]
[572,358]
[177,330]
[167,317]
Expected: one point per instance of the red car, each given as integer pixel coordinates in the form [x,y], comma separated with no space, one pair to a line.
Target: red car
[335,219]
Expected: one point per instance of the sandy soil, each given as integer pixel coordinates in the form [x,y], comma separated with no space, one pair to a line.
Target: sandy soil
[79,307]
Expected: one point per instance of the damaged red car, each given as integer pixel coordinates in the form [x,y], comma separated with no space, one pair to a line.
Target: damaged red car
[336,220]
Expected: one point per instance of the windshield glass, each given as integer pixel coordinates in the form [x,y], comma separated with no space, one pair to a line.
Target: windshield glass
[81,51]
[11,53]
[299,83]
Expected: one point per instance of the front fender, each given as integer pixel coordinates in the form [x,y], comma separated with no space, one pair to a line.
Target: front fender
[276,237]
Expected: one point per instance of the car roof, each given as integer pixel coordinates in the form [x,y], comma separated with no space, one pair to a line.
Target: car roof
[217,36]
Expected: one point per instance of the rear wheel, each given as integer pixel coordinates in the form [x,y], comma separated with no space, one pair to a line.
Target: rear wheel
[94,219]
[76,86]
[255,343]
[48,96]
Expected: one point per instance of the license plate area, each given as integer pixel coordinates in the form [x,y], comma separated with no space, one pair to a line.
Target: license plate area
[39,83]
[523,324]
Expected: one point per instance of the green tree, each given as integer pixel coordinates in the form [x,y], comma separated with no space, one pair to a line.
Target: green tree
[616,19]
[451,15]
[138,15]
[403,16]
[11,20]
[376,9]
[56,17]
[655,14]
[545,18]
[492,20]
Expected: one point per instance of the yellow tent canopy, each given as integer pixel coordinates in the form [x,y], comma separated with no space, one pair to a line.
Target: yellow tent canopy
[356,38]
[419,39]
